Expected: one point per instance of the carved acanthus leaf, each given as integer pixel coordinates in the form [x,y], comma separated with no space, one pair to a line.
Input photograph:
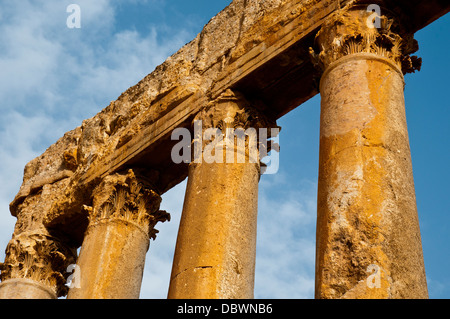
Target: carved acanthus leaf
[350,32]
[129,200]
[38,257]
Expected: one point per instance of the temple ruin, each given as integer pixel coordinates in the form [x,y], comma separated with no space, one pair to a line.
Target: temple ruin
[99,187]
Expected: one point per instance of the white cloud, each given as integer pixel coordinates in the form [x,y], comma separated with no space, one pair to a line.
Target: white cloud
[73,72]
[286,234]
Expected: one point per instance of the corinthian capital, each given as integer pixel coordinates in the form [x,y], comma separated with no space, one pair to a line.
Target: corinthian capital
[125,197]
[232,123]
[41,258]
[232,110]
[352,30]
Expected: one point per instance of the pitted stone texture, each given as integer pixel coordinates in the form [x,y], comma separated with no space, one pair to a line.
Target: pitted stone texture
[367,215]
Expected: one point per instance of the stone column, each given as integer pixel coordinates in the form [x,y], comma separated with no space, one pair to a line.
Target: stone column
[35,267]
[368,237]
[112,257]
[216,244]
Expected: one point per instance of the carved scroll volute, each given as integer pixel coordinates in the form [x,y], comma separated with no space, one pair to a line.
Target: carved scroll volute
[351,30]
[125,197]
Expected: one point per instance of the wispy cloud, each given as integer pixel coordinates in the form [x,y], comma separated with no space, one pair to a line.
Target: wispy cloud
[286,238]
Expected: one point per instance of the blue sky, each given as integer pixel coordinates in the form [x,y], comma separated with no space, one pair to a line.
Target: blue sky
[52,77]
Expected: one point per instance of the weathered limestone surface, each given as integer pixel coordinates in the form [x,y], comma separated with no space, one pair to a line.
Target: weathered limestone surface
[34,252]
[112,257]
[216,245]
[25,289]
[258,48]
[368,236]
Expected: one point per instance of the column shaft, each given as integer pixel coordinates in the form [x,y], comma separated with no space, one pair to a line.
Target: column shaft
[112,257]
[368,236]
[111,261]
[25,289]
[216,244]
